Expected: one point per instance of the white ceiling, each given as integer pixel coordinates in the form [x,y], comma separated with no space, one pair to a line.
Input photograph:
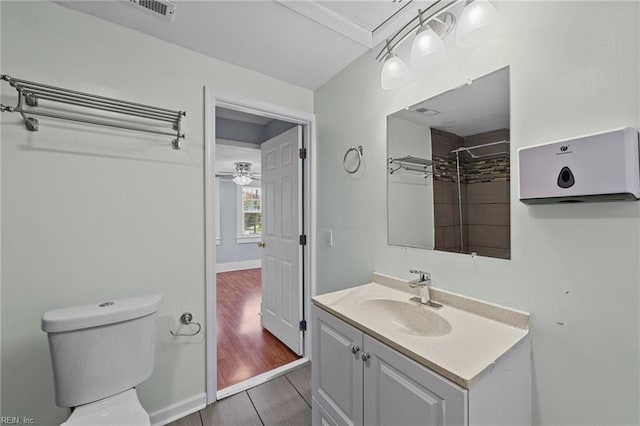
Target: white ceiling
[367,14]
[474,108]
[227,155]
[301,42]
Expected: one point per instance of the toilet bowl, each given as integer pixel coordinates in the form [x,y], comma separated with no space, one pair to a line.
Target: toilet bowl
[122,409]
[100,352]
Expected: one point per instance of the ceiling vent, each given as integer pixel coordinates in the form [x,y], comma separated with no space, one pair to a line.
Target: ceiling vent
[426,111]
[162,8]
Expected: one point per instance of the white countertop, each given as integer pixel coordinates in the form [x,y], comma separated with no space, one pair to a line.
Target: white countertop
[480,333]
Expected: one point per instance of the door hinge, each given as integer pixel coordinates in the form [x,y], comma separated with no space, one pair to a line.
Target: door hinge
[303,153]
[303,240]
[303,325]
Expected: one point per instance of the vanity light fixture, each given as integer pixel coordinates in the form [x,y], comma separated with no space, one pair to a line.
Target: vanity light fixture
[395,72]
[427,48]
[478,22]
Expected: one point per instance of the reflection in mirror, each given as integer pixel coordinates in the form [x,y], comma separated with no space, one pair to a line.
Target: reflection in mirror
[449,170]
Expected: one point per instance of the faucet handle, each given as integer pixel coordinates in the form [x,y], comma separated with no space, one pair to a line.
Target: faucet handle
[423,275]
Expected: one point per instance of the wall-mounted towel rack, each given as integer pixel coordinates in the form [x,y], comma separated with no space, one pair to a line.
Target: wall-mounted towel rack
[412,164]
[30,93]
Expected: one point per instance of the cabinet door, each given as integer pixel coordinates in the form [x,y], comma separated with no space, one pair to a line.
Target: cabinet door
[319,416]
[400,392]
[337,368]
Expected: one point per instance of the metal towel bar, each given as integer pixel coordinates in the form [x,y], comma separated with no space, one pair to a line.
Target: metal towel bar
[412,164]
[30,93]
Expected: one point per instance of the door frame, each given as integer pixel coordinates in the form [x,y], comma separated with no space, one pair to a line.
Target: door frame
[308,122]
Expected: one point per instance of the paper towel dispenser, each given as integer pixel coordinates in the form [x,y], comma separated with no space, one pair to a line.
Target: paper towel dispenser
[599,167]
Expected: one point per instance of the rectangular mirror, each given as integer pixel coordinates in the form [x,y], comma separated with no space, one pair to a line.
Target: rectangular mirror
[448,170]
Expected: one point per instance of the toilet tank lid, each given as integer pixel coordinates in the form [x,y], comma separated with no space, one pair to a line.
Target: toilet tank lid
[100,313]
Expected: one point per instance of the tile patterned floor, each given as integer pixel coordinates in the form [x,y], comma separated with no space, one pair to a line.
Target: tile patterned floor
[285,400]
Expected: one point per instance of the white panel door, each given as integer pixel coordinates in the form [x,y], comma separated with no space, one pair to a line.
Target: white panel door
[400,392]
[336,370]
[281,307]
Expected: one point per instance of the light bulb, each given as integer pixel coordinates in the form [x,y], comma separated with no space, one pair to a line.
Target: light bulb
[427,49]
[242,180]
[478,23]
[395,73]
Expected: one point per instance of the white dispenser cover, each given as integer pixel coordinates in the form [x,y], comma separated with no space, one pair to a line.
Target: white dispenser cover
[603,166]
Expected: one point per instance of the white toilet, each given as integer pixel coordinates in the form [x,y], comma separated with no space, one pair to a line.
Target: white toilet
[100,352]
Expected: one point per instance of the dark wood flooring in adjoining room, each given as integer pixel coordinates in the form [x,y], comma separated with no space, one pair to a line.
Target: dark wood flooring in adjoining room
[245,349]
[285,400]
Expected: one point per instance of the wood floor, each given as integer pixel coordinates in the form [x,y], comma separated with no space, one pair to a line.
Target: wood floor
[245,349]
[285,400]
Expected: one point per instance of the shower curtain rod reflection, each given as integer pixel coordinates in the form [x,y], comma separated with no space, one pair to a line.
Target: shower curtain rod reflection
[468,149]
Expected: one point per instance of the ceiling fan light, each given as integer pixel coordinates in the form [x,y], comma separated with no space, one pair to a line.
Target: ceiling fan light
[427,49]
[478,23]
[395,73]
[242,180]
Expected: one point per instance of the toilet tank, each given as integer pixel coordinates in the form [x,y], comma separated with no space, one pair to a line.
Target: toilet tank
[101,349]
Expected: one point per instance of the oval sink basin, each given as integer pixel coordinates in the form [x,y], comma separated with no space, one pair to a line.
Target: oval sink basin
[407,317]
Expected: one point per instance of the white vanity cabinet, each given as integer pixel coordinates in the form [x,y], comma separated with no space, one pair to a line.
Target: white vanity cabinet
[358,380]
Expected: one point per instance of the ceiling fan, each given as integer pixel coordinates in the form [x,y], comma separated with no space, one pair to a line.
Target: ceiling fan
[242,175]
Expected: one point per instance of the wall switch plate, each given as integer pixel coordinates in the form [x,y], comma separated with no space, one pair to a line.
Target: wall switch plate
[328,238]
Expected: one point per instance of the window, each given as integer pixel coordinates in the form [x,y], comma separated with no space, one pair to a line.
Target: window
[250,220]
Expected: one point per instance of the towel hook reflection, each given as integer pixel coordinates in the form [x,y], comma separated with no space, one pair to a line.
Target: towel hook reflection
[186,319]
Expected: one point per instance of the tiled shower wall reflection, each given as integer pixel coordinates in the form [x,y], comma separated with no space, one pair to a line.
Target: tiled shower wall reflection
[484,192]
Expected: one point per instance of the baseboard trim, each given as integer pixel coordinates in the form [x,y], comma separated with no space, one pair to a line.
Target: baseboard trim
[178,410]
[261,378]
[238,266]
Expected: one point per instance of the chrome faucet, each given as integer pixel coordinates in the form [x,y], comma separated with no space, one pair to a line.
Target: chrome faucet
[423,282]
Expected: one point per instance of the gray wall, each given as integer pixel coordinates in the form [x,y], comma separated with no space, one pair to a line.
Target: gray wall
[574,266]
[92,214]
[241,131]
[275,128]
[229,250]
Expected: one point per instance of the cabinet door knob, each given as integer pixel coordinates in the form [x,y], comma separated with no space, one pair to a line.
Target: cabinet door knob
[261,244]
[355,349]
[365,356]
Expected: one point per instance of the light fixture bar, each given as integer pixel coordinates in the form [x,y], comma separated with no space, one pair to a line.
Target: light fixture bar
[392,16]
[403,33]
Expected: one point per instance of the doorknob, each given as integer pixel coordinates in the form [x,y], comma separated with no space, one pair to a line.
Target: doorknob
[261,244]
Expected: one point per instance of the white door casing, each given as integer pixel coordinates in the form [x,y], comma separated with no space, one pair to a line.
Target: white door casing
[281,308]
